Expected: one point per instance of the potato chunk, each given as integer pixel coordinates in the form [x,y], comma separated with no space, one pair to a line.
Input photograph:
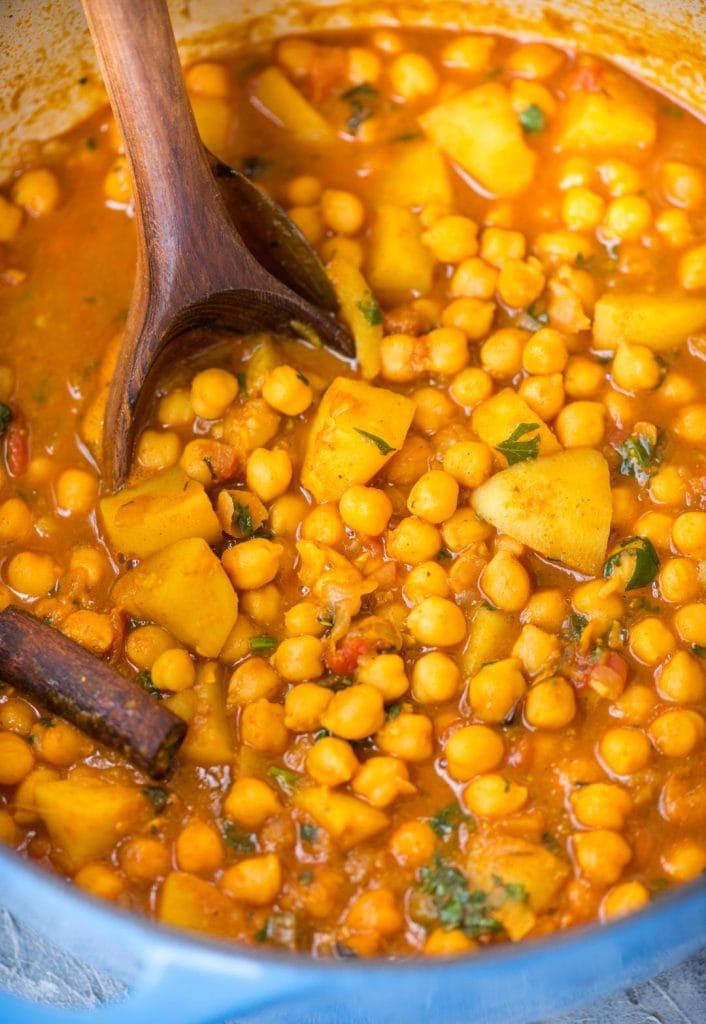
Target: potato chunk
[209,740]
[516,862]
[184,588]
[660,322]
[490,638]
[347,820]
[480,131]
[559,505]
[495,420]
[157,512]
[399,262]
[361,312]
[416,175]
[356,430]
[186,901]
[595,121]
[86,818]
[278,99]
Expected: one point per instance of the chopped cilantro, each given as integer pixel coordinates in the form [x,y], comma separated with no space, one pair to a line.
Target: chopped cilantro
[262,643]
[409,136]
[47,722]
[287,779]
[145,681]
[532,118]
[646,562]
[242,383]
[207,460]
[514,891]
[671,110]
[237,838]
[242,519]
[637,453]
[261,934]
[576,625]
[254,167]
[322,734]
[455,905]
[308,833]
[382,445]
[447,820]
[699,650]
[516,450]
[306,877]
[444,555]
[6,417]
[359,97]
[393,711]
[369,308]
[157,796]
[552,843]
[302,378]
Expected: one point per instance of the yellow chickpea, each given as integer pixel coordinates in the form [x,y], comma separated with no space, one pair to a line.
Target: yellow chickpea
[433,409]
[412,844]
[434,496]
[343,212]
[582,209]
[268,473]
[382,780]
[692,269]
[521,282]
[623,900]
[144,858]
[674,228]
[657,527]
[535,60]
[324,525]
[536,649]
[158,449]
[76,491]
[250,802]
[635,368]
[471,386]
[544,395]
[58,743]
[413,541]
[263,605]
[354,713]
[472,316]
[590,601]
[473,750]
[689,534]
[331,761]
[499,245]
[550,704]
[199,848]
[684,860]
[375,911]
[667,486]
[304,705]
[650,641]
[690,622]
[494,796]
[286,514]
[173,670]
[501,354]
[299,658]
[677,733]
[254,880]
[145,644]
[601,855]
[683,184]
[386,672]
[303,190]
[682,680]
[624,750]
[628,217]
[16,758]
[100,880]
[581,425]
[435,678]
[309,221]
[452,239]
[37,191]
[212,392]
[409,737]
[545,352]
[15,521]
[253,563]
[474,278]
[262,727]
[468,53]
[448,943]
[17,716]
[620,177]
[287,391]
[32,573]
[175,409]
[601,805]
[463,528]
[303,619]
[505,582]
[437,622]
[495,690]
[470,463]
[636,704]
[413,76]
[583,378]
[207,78]
[545,609]
[447,351]
[367,510]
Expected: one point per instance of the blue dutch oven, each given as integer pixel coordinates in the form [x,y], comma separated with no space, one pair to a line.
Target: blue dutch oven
[176,977]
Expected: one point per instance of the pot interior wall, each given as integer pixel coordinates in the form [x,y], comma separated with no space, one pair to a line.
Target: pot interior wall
[49,80]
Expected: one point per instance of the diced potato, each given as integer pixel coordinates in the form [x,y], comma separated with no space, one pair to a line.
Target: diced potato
[213,119]
[347,820]
[517,918]
[186,901]
[157,512]
[595,121]
[361,312]
[496,419]
[94,417]
[209,740]
[356,430]
[184,588]
[85,818]
[516,862]
[276,97]
[660,322]
[417,175]
[480,131]
[559,505]
[398,262]
[263,360]
[491,636]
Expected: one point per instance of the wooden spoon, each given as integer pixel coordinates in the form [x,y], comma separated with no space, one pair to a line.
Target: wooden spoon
[193,267]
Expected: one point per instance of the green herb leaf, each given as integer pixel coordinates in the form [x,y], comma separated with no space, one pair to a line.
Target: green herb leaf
[447,820]
[242,383]
[207,460]
[637,455]
[382,445]
[255,167]
[287,779]
[242,519]
[576,625]
[302,378]
[145,681]
[322,734]
[306,877]
[47,722]
[157,796]
[308,833]
[514,891]
[6,417]
[455,905]
[261,934]
[516,450]
[237,838]
[532,118]
[444,555]
[699,650]
[369,308]
[410,136]
[393,711]
[262,643]
[646,560]
[361,109]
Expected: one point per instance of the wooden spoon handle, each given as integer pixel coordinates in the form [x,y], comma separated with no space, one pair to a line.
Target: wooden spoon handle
[176,196]
[66,679]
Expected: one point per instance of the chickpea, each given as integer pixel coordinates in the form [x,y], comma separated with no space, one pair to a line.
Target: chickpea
[250,802]
[15,521]
[331,761]
[386,672]
[690,622]
[473,750]
[677,733]
[471,386]
[409,737]
[474,278]
[470,463]
[623,900]
[499,245]
[683,184]
[501,354]
[545,352]
[400,358]
[692,269]
[303,619]
[209,79]
[620,177]
[650,641]
[413,76]
[354,713]
[37,191]
[16,758]
[494,796]
[287,391]
[145,644]
[448,943]
[343,212]
[583,378]
[582,209]
[144,859]
[212,392]
[452,239]
[437,622]
[262,727]
[158,449]
[536,649]
[435,678]
[175,409]
[199,848]
[635,368]
[376,911]
[253,563]
[433,409]
[299,658]
[268,473]
[590,601]
[304,705]
[59,743]
[468,53]
[472,316]
[674,228]
[309,221]
[366,510]
[495,690]
[434,496]
[413,541]
[505,582]
[545,609]
[100,880]
[682,680]
[624,750]
[254,880]
[17,716]
[628,217]
[521,282]
[382,780]
[544,395]
[412,844]
[174,670]
[601,805]
[31,573]
[636,704]
[657,527]
[684,860]
[601,855]
[550,704]
[580,424]
[286,514]
[689,534]
[463,529]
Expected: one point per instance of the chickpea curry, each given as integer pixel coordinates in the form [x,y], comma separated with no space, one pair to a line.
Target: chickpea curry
[436,618]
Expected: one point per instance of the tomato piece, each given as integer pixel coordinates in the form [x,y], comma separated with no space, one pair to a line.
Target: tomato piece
[344,660]
[17,447]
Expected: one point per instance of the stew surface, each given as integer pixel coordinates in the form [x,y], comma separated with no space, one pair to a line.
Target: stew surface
[436,620]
